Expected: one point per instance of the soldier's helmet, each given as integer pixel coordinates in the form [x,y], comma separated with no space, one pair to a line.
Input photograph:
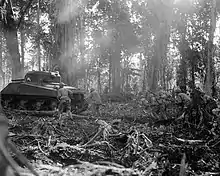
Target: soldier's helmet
[61,85]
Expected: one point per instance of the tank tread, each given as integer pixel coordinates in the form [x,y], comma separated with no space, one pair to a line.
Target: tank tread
[29,103]
[38,105]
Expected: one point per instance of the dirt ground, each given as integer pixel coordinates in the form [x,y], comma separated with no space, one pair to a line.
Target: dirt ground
[128,139]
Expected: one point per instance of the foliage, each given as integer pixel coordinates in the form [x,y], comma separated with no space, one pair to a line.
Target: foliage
[95,25]
[136,138]
[130,51]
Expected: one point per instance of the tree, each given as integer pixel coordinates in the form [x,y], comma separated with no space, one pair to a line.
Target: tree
[1,59]
[10,32]
[10,27]
[89,41]
[210,75]
[38,32]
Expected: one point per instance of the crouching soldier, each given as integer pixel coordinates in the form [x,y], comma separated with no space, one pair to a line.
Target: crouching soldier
[65,101]
[95,100]
[183,99]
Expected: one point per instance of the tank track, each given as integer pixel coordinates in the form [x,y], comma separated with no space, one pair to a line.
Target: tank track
[33,103]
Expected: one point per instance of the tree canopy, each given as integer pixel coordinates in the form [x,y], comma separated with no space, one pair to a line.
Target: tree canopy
[154,44]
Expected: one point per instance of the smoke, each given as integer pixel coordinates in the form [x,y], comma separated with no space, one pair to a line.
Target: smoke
[93,42]
[104,38]
[99,38]
[68,9]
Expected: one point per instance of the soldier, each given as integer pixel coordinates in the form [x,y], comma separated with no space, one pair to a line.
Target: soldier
[65,100]
[183,99]
[95,100]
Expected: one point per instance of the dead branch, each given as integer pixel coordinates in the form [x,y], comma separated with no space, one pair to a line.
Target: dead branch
[94,137]
[38,143]
[189,141]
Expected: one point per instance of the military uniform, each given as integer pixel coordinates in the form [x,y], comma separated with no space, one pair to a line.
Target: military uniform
[65,101]
[95,100]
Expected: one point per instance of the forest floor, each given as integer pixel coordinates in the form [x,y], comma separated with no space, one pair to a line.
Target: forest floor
[128,139]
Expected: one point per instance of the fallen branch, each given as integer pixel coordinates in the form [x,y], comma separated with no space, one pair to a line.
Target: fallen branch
[81,116]
[39,147]
[189,141]
[94,137]
[109,164]
[101,169]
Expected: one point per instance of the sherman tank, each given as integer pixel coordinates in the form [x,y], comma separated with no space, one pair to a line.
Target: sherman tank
[37,91]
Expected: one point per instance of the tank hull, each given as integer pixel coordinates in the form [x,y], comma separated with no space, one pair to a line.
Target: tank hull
[26,96]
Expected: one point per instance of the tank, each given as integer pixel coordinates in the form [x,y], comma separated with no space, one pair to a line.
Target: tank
[37,91]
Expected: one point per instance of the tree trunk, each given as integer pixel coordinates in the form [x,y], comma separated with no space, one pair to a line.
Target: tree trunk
[193,73]
[64,40]
[160,47]
[148,68]
[82,47]
[209,81]
[164,41]
[155,62]
[116,70]
[144,79]
[9,28]
[65,59]
[110,72]
[22,50]
[183,48]
[182,78]
[12,44]
[163,21]
[86,80]
[38,38]
[126,75]
[99,77]
[1,60]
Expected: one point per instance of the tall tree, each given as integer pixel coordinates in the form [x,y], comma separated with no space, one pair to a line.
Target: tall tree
[65,37]
[209,81]
[163,20]
[10,33]
[38,38]
[10,26]
[183,48]
[1,59]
